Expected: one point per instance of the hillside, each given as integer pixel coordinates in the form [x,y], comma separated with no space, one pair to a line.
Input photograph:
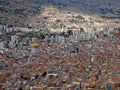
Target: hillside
[52,17]
[58,13]
[86,6]
[16,12]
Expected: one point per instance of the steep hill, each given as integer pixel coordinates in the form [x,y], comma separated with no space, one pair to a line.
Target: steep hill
[16,12]
[91,6]
[35,12]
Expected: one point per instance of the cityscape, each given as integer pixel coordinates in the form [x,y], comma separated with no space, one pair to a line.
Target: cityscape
[59,45]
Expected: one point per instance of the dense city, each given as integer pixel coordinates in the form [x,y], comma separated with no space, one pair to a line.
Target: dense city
[72,59]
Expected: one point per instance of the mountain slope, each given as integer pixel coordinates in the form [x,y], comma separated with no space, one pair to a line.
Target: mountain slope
[93,6]
[16,12]
[30,12]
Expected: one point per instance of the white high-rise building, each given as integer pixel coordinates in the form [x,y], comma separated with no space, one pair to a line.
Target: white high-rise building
[1,45]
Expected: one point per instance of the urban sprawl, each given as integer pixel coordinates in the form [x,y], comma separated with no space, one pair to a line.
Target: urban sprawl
[58,59]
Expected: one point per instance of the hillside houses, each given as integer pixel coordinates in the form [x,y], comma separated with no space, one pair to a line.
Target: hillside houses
[59,59]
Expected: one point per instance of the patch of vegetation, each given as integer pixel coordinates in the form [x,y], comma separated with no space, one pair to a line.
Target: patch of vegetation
[2,9]
[58,21]
[73,21]
[46,17]
[19,11]
[41,36]
[54,25]
[79,17]
[110,17]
